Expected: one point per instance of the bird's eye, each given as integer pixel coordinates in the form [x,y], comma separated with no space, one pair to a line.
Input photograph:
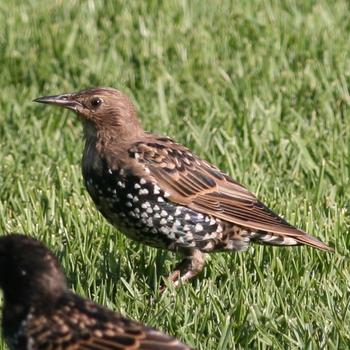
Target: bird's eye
[96,101]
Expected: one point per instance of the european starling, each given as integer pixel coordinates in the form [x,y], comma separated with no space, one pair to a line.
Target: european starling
[41,313]
[158,192]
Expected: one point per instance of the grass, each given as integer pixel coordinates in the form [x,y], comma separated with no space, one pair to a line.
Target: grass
[260,88]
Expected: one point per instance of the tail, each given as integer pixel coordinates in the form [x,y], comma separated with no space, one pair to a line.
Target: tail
[302,238]
[314,242]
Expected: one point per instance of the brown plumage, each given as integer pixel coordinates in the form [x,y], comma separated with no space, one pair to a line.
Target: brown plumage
[158,192]
[41,313]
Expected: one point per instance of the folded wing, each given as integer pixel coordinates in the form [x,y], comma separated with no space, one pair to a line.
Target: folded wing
[195,183]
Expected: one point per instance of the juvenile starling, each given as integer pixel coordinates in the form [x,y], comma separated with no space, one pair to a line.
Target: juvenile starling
[41,313]
[158,192]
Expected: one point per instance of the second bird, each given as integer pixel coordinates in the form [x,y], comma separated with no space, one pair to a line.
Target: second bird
[158,192]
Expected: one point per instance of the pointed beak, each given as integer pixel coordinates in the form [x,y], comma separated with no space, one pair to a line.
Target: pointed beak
[66,101]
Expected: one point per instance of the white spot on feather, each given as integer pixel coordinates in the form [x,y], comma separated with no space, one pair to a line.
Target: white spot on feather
[289,241]
[143,191]
[198,228]
[178,211]
[177,223]
[156,189]
[150,222]
[165,229]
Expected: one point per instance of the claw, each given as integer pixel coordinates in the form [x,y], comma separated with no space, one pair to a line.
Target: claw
[189,267]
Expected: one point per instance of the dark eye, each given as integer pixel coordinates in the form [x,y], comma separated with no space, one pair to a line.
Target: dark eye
[96,101]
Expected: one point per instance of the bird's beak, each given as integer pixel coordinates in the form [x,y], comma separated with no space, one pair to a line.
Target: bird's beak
[67,101]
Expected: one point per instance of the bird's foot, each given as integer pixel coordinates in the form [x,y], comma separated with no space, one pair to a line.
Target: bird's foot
[189,267]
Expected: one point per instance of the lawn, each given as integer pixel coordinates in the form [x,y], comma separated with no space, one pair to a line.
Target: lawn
[260,88]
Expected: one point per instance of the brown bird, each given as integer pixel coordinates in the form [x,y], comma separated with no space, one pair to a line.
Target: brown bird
[158,192]
[41,313]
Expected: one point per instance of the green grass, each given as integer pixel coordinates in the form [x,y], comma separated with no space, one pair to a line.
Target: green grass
[260,88]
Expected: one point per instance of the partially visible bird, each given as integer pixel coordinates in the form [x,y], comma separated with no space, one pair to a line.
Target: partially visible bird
[158,192]
[41,313]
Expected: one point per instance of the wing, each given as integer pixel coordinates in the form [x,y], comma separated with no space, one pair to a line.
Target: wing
[131,339]
[80,324]
[118,333]
[193,182]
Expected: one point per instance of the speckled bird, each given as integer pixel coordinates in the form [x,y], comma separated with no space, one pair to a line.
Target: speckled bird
[40,312]
[158,192]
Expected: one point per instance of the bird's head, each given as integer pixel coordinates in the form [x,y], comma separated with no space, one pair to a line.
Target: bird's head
[28,270]
[107,111]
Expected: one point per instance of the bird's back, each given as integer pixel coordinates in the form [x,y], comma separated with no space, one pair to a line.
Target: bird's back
[78,323]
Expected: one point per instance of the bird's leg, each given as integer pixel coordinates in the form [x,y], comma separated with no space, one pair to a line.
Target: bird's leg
[191,265]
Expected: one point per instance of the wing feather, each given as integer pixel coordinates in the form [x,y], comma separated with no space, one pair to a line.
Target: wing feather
[79,324]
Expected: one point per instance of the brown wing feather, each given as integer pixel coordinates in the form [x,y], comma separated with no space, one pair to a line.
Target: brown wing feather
[157,341]
[150,340]
[80,324]
[201,186]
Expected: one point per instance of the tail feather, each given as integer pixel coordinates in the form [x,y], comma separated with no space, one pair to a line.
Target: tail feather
[314,242]
[287,240]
